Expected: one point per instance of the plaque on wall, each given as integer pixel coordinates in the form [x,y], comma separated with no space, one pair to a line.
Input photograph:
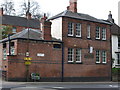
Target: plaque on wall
[89,55]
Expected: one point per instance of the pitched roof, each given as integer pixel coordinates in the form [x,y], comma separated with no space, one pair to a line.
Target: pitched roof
[19,21]
[33,34]
[115,29]
[80,16]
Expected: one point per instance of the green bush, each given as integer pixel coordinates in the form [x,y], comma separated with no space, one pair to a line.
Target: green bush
[115,71]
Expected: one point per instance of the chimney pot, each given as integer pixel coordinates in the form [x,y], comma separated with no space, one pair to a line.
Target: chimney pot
[73,6]
[73,0]
[110,17]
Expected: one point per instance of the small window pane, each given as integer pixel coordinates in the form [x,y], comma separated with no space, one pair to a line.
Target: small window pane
[103,57]
[70,55]
[78,55]
[97,32]
[70,29]
[97,56]
[103,33]
[78,30]
[88,31]
[118,58]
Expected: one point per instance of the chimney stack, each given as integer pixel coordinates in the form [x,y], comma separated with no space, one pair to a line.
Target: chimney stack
[46,28]
[73,6]
[28,15]
[110,17]
[1,11]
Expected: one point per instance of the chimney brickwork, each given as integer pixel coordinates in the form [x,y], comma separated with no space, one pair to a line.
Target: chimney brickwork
[46,28]
[73,6]
[1,11]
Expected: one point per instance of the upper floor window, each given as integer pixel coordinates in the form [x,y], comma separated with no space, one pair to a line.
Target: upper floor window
[78,55]
[70,29]
[70,54]
[103,33]
[78,30]
[97,32]
[14,30]
[103,56]
[88,31]
[119,42]
[97,56]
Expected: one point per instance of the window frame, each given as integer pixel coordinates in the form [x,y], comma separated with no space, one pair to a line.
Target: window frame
[78,29]
[97,33]
[118,59]
[98,55]
[70,29]
[12,50]
[88,31]
[71,55]
[104,33]
[78,55]
[118,42]
[104,56]
[4,54]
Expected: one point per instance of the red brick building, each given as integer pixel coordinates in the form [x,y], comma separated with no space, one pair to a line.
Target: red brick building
[45,52]
[18,23]
[74,47]
[87,48]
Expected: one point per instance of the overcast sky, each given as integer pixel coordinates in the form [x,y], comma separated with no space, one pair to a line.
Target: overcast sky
[97,8]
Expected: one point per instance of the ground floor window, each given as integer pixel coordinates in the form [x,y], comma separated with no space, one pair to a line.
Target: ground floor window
[70,54]
[118,58]
[74,55]
[103,57]
[97,56]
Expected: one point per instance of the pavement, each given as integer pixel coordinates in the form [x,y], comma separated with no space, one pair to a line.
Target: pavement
[60,85]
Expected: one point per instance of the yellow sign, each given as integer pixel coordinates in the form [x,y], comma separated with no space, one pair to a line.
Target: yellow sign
[27,63]
[28,58]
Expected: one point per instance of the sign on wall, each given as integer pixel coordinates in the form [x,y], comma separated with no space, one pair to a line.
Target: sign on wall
[40,54]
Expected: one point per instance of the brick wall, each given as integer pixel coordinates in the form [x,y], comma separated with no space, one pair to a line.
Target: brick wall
[48,66]
[88,67]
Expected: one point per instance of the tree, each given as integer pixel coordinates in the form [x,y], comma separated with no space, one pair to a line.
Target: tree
[34,9]
[8,7]
[6,30]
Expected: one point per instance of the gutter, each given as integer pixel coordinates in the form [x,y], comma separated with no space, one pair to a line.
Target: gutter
[31,39]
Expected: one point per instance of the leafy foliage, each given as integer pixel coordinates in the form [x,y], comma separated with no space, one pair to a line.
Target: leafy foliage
[34,9]
[5,31]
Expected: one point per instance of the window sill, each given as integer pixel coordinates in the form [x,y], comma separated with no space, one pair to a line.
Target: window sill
[70,35]
[74,37]
[78,36]
[104,40]
[11,55]
[75,63]
[102,63]
[71,62]
[79,63]
[117,65]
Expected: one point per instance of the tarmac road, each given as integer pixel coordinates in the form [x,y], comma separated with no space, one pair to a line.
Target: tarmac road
[60,86]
